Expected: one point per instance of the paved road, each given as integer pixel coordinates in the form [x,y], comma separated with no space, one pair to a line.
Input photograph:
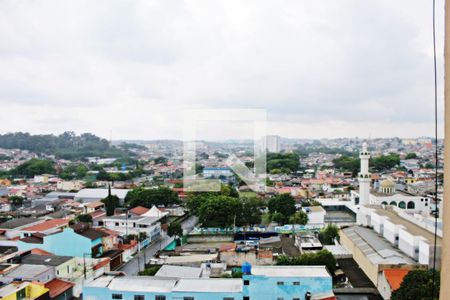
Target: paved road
[132,267]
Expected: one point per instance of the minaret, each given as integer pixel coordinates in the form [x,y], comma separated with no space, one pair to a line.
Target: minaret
[364,177]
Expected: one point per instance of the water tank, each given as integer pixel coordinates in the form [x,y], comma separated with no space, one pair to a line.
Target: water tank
[246,268]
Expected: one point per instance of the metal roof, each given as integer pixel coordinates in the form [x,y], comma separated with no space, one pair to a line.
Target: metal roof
[291,271]
[179,271]
[209,285]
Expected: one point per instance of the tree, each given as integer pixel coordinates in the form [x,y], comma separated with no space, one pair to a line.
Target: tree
[417,284]
[219,211]
[411,155]
[328,234]
[320,258]
[16,200]
[85,218]
[175,229]
[161,196]
[34,167]
[287,162]
[284,205]
[385,162]
[300,217]
[348,164]
[111,203]
[251,211]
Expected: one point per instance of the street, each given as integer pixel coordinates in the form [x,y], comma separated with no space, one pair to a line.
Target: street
[132,267]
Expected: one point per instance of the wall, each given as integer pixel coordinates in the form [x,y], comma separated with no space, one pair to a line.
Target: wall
[66,243]
[262,287]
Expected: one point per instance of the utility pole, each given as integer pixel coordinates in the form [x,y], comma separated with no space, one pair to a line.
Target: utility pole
[445,266]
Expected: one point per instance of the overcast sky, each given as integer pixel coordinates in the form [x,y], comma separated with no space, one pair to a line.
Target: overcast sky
[321,68]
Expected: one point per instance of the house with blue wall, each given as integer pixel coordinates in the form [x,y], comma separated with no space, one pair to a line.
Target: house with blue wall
[259,283]
[80,243]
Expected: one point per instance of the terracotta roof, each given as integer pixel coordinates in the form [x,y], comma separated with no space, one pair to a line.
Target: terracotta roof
[395,277]
[139,210]
[57,287]
[54,223]
[95,204]
[40,252]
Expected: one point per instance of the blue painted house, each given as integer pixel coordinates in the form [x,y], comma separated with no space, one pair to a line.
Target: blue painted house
[79,243]
[268,282]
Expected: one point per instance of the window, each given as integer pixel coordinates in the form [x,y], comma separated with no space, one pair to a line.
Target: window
[295,298]
[296,283]
[116,224]
[246,298]
[117,296]
[246,282]
[280,283]
[228,298]
[139,297]
[280,298]
[188,298]
[160,297]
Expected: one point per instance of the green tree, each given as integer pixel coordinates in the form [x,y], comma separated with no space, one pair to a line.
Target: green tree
[175,229]
[287,162]
[219,211]
[283,205]
[300,217]
[347,164]
[16,200]
[251,211]
[35,167]
[161,196]
[418,285]
[85,218]
[411,155]
[328,234]
[320,258]
[385,162]
[111,203]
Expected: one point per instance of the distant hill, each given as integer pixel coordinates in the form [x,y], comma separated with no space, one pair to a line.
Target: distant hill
[67,145]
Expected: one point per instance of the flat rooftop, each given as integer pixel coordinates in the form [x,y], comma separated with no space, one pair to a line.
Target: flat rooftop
[291,271]
[135,284]
[209,285]
[179,271]
[376,248]
[410,227]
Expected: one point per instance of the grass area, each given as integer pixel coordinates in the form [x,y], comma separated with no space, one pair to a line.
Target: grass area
[247,194]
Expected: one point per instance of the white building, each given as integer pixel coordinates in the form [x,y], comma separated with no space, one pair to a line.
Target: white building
[91,195]
[134,225]
[272,143]
[69,185]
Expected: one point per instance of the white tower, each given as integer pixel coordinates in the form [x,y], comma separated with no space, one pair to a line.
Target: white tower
[364,177]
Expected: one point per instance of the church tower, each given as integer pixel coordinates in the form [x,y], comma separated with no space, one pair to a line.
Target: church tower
[364,177]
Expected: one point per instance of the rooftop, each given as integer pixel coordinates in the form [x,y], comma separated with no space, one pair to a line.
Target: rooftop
[291,271]
[47,225]
[57,287]
[395,277]
[28,271]
[179,271]
[377,249]
[15,223]
[36,259]
[209,285]
[410,227]
[100,193]
[135,284]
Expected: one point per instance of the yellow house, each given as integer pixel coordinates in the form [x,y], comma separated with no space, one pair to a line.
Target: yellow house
[24,290]
[410,180]
[5,182]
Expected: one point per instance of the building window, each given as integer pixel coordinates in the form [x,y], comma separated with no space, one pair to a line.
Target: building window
[295,298]
[160,297]
[117,296]
[280,298]
[246,282]
[296,283]
[280,283]
[188,298]
[246,298]
[116,224]
[228,298]
[139,297]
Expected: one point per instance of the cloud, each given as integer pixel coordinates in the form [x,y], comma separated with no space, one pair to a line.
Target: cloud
[321,68]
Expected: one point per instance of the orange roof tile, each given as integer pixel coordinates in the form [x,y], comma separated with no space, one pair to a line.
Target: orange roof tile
[395,277]
[54,223]
[40,252]
[139,210]
[58,286]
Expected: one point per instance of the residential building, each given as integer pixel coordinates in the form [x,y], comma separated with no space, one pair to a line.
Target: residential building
[24,290]
[274,282]
[91,195]
[128,224]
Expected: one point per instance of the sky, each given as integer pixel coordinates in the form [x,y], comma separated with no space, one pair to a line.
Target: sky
[134,69]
